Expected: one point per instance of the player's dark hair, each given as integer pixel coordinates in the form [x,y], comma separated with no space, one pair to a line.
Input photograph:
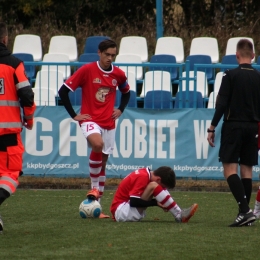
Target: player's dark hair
[104,45]
[245,48]
[3,31]
[167,175]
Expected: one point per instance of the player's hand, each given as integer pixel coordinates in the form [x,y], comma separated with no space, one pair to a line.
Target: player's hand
[28,124]
[162,207]
[211,139]
[81,117]
[116,113]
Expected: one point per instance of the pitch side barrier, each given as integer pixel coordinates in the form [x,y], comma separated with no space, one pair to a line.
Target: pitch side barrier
[182,78]
[56,147]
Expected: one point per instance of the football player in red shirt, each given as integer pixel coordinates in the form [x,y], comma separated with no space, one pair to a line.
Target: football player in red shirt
[99,81]
[145,188]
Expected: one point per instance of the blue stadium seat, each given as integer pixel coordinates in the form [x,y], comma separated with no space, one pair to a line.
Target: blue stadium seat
[194,100]
[75,97]
[132,101]
[165,58]
[88,57]
[201,59]
[29,69]
[258,60]
[158,99]
[92,42]
[229,59]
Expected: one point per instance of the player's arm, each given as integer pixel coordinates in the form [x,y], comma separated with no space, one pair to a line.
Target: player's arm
[64,96]
[124,101]
[222,99]
[140,203]
[26,95]
[125,90]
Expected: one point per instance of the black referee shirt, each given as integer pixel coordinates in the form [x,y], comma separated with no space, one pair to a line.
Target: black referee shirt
[239,96]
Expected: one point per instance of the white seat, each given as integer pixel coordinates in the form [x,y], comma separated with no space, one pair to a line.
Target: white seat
[134,45]
[131,79]
[156,80]
[44,97]
[130,58]
[232,45]
[49,79]
[212,99]
[201,82]
[64,44]
[28,43]
[172,46]
[218,81]
[205,46]
[57,57]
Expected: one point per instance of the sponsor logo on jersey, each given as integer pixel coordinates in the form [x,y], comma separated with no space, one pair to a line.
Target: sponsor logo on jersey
[2,86]
[101,94]
[105,75]
[114,82]
[97,80]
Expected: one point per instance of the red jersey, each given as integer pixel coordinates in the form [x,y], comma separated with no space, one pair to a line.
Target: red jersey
[133,185]
[98,91]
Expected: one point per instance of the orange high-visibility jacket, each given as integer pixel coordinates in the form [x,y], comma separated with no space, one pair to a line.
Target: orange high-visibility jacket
[15,92]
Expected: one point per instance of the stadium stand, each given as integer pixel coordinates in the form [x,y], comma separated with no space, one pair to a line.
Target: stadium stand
[64,44]
[28,43]
[171,46]
[158,99]
[134,45]
[156,80]
[205,46]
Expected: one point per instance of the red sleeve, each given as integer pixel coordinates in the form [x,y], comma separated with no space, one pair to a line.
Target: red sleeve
[123,84]
[139,186]
[77,79]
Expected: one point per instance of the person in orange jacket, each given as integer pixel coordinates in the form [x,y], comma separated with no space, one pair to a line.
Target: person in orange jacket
[15,94]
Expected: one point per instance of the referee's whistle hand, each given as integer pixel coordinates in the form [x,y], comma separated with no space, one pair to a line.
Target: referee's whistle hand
[211,137]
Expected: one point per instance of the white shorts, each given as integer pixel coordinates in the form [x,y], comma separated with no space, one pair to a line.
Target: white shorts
[126,213]
[108,136]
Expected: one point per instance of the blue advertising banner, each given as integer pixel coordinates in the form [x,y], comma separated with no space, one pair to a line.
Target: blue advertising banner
[144,137]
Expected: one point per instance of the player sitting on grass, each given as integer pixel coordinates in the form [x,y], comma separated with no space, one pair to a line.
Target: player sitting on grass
[145,188]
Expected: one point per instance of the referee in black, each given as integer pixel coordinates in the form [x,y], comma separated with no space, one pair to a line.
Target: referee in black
[238,101]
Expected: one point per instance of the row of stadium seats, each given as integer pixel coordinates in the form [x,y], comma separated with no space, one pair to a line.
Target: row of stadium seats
[154,99]
[137,45]
[133,49]
[48,82]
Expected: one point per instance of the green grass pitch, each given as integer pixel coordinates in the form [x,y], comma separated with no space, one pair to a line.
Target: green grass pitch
[45,224]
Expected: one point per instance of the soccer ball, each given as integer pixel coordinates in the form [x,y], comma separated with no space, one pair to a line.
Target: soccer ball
[89,208]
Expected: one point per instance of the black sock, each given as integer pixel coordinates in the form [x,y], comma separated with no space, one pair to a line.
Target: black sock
[247,183]
[237,189]
[3,195]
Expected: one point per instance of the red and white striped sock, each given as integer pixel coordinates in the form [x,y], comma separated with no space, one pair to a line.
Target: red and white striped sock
[102,180]
[164,197]
[95,164]
[257,201]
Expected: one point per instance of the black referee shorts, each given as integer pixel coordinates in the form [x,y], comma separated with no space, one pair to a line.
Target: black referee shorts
[239,143]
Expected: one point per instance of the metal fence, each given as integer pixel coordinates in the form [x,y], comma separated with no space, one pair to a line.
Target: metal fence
[187,88]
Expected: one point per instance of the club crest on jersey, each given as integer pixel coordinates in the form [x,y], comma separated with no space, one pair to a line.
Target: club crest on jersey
[97,80]
[101,94]
[114,82]
[2,86]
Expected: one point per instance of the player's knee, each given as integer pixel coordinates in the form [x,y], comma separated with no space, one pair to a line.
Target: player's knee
[152,185]
[98,146]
